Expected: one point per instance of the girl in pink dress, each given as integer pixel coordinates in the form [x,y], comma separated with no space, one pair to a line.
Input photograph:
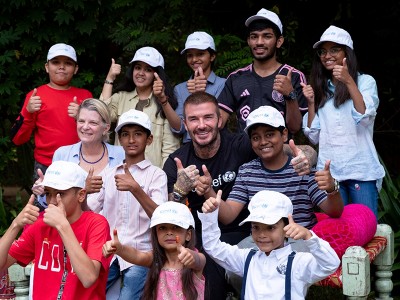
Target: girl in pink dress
[176,266]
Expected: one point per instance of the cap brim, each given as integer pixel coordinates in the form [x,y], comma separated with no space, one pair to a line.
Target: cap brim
[270,220]
[195,47]
[183,225]
[56,185]
[253,18]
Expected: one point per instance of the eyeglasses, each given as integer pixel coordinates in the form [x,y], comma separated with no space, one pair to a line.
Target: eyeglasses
[332,52]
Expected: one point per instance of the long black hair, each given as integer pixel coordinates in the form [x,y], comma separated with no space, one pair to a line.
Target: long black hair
[128,85]
[159,259]
[319,80]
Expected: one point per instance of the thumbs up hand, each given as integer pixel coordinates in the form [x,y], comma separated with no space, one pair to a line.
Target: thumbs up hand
[299,161]
[55,214]
[159,89]
[38,189]
[212,203]
[200,80]
[283,83]
[187,178]
[113,246]
[115,70]
[125,181]
[28,214]
[73,108]
[296,231]
[203,187]
[93,184]
[324,178]
[34,103]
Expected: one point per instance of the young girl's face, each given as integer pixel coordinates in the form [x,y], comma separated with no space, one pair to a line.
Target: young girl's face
[143,75]
[268,237]
[196,58]
[167,235]
[331,54]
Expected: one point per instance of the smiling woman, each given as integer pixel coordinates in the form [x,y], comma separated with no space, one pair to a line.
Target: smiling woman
[93,153]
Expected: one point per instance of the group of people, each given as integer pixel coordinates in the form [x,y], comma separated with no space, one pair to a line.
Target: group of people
[159,212]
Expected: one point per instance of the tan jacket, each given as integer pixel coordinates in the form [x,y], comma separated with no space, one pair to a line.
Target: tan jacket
[164,141]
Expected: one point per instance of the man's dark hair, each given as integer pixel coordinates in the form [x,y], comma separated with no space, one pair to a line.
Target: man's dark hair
[199,98]
[259,25]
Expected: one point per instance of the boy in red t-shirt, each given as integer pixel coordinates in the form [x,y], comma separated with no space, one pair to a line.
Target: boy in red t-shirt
[65,243]
[49,110]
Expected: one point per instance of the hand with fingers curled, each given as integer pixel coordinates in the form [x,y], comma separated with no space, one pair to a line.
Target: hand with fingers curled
[324,178]
[125,181]
[73,108]
[55,215]
[187,178]
[212,203]
[200,80]
[37,188]
[113,246]
[203,186]
[299,161]
[185,256]
[28,215]
[34,103]
[296,231]
[93,183]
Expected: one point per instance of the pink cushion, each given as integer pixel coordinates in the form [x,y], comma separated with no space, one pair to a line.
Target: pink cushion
[356,227]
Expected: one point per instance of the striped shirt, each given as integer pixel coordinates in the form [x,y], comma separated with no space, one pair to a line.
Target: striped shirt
[302,190]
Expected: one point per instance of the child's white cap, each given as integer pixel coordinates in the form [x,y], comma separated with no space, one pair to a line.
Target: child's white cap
[150,56]
[172,213]
[336,35]
[199,40]
[63,175]
[267,115]
[268,207]
[264,14]
[135,117]
[62,50]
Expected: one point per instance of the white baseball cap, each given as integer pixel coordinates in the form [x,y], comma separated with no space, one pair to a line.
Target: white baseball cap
[267,115]
[336,35]
[150,56]
[199,40]
[264,14]
[172,213]
[268,207]
[62,50]
[63,175]
[134,116]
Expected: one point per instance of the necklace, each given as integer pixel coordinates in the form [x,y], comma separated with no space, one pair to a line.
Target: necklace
[92,162]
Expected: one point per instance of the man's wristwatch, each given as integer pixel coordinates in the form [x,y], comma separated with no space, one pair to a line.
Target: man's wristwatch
[292,96]
[336,187]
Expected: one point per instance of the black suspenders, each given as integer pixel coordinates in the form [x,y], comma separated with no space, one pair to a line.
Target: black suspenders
[287,274]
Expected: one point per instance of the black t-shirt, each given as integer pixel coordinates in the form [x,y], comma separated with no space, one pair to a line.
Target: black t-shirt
[235,150]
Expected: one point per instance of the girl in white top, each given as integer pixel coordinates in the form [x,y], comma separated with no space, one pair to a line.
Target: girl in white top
[342,106]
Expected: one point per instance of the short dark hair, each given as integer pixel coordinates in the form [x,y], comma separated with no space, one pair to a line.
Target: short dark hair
[255,126]
[148,132]
[259,25]
[199,98]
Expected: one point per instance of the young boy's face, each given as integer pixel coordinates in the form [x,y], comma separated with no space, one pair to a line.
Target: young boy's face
[61,69]
[134,139]
[267,142]
[268,237]
[70,198]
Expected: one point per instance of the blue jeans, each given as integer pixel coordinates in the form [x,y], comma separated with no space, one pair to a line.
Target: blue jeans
[132,281]
[360,192]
